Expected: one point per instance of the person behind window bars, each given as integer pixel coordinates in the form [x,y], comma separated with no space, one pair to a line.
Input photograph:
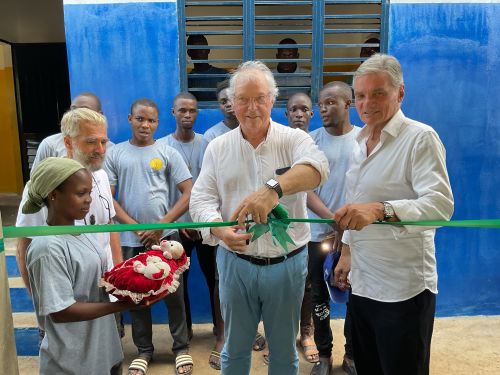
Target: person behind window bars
[245,173]
[289,85]
[202,68]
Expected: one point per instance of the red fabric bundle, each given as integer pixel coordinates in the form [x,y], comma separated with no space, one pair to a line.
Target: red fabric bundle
[148,275]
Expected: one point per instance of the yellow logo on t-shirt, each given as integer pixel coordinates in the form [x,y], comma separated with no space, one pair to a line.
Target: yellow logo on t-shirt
[156,164]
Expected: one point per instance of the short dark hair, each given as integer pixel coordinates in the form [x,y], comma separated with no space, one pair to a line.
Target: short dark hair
[89,94]
[197,39]
[144,102]
[184,95]
[287,41]
[344,88]
[222,85]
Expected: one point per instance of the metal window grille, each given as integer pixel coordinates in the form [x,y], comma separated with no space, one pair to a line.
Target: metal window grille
[329,36]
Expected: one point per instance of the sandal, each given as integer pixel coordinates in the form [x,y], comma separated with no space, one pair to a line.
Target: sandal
[259,342]
[183,360]
[309,349]
[139,364]
[265,356]
[214,360]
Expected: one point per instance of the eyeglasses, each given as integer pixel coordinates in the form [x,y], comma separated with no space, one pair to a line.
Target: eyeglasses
[141,119]
[243,100]
[105,203]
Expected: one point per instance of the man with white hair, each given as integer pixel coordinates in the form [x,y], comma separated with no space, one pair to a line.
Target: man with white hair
[85,139]
[246,173]
[397,173]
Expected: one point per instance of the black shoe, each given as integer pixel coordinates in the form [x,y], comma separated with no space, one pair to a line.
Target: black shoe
[322,367]
[348,366]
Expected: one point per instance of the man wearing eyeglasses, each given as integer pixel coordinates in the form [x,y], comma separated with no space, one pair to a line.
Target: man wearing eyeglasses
[246,172]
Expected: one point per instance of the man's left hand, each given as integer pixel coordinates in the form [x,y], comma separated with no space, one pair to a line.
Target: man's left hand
[358,216]
[258,205]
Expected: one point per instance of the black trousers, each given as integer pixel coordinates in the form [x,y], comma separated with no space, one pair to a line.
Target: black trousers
[321,305]
[206,258]
[393,338]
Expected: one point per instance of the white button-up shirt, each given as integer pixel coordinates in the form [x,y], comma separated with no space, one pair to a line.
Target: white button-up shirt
[233,169]
[407,169]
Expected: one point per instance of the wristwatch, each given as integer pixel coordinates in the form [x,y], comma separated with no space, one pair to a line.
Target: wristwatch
[388,211]
[275,185]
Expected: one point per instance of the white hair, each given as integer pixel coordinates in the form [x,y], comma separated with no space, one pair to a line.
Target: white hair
[382,63]
[243,71]
[71,121]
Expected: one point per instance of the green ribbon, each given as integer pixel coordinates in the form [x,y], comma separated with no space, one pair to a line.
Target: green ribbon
[276,226]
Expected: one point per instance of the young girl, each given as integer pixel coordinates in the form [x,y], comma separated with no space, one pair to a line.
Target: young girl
[64,271]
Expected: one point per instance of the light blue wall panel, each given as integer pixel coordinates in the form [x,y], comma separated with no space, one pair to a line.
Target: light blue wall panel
[451,60]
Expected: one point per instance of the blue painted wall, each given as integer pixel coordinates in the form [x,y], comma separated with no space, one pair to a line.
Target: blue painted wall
[123,52]
[450,57]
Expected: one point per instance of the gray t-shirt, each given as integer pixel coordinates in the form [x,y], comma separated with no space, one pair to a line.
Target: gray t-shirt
[62,270]
[337,150]
[192,153]
[142,177]
[216,130]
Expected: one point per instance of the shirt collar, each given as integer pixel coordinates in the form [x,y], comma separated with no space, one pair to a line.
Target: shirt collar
[392,128]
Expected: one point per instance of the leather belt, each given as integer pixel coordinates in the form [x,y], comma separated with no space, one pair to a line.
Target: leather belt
[262,261]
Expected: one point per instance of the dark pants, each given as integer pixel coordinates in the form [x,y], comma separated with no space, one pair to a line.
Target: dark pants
[306,322]
[206,258]
[321,305]
[142,323]
[393,338]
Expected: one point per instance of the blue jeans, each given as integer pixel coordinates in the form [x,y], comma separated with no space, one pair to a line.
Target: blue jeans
[250,292]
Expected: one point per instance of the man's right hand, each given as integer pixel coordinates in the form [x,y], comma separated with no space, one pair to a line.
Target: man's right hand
[231,237]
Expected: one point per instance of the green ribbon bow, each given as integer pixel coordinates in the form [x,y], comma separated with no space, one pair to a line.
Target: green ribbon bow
[274,225]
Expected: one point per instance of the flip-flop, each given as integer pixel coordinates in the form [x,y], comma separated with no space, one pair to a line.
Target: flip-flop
[259,342]
[214,360]
[183,360]
[139,364]
[309,349]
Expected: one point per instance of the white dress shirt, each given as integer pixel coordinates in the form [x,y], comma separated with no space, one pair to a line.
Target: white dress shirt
[233,169]
[407,169]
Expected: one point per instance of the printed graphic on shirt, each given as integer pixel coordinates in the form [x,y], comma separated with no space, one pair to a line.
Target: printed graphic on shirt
[156,164]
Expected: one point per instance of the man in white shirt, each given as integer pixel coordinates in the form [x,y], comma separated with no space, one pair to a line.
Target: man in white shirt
[397,173]
[85,138]
[242,178]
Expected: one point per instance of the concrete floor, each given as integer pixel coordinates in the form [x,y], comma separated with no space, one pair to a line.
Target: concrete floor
[461,346]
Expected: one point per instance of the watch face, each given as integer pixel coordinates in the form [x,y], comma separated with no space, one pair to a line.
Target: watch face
[272,183]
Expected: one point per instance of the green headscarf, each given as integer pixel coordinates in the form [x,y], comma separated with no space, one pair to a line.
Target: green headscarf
[46,177]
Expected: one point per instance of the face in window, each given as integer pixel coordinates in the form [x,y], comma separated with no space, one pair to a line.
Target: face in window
[71,200]
[185,112]
[89,147]
[333,107]
[299,111]
[252,101]
[144,122]
[225,104]
[377,101]
[287,53]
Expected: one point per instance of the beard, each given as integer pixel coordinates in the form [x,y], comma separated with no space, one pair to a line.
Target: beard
[92,162]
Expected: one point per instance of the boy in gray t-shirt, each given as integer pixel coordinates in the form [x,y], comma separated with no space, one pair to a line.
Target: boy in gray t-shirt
[140,171]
